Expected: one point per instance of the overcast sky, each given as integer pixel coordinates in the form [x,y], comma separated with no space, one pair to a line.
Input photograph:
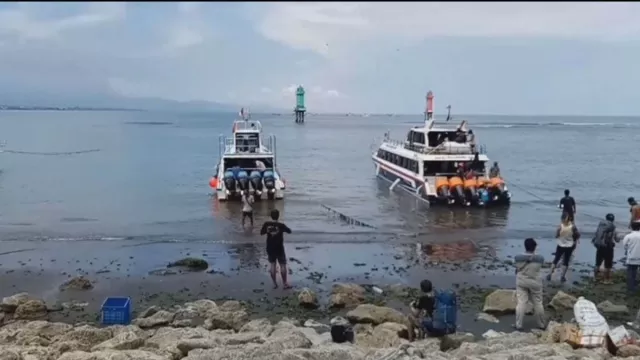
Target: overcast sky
[508,58]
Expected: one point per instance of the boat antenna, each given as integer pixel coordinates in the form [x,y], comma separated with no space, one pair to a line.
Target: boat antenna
[448,112]
[428,114]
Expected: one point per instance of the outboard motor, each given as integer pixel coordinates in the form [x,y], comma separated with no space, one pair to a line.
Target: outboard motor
[243,180]
[483,196]
[269,179]
[442,189]
[256,181]
[455,188]
[470,186]
[229,180]
[496,187]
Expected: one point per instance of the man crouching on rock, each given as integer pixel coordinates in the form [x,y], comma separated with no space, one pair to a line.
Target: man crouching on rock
[529,284]
[275,247]
[422,311]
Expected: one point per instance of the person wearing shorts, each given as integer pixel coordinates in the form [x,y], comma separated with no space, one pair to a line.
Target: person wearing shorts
[275,247]
[604,241]
[247,208]
[567,237]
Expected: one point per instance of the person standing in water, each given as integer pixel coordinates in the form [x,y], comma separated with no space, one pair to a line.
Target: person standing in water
[605,240]
[568,205]
[567,237]
[275,247]
[247,208]
[634,210]
[631,243]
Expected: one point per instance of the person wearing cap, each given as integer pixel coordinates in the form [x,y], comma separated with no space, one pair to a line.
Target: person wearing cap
[634,210]
[604,241]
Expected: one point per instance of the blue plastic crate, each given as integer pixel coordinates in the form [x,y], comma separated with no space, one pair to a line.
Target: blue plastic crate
[116,311]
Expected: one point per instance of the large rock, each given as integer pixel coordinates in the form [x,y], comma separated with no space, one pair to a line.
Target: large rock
[628,351]
[454,341]
[232,318]
[77,283]
[124,341]
[167,339]
[10,304]
[31,310]
[562,301]
[607,307]
[87,336]
[160,318]
[112,355]
[503,301]
[258,325]
[346,295]
[372,314]
[382,336]
[307,299]
[192,264]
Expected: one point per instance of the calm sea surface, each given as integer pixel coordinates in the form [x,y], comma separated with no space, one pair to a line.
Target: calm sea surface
[149,178]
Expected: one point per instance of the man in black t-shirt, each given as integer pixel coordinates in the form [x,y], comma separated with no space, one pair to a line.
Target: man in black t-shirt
[275,247]
[568,206]
[422,310]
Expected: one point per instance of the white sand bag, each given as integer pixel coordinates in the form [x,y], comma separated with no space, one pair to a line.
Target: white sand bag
[593,326]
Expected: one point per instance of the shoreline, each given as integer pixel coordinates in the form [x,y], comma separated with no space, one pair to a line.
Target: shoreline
[139,270]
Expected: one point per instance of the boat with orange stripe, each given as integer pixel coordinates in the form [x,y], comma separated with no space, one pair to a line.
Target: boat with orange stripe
[440,163]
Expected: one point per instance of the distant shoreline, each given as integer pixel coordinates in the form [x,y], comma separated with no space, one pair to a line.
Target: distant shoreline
[60,108]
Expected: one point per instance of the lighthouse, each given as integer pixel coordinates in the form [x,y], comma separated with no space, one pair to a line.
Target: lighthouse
[428,114]
[300,109]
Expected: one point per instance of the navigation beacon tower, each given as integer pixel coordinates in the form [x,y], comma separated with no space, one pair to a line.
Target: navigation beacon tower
[300,109]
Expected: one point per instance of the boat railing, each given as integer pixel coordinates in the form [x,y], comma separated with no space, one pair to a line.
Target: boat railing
[230,145]
[247,125]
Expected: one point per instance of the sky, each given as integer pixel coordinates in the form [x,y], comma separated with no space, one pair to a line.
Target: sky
[480,58]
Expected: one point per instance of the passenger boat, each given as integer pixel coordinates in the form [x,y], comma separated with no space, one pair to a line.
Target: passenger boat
[428,165]
[247,163]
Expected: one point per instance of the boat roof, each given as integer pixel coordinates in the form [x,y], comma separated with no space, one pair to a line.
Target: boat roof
[247,126]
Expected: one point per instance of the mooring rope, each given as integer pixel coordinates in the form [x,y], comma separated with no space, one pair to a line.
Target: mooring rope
[347,219]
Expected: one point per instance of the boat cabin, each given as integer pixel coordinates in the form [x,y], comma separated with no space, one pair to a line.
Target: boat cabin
[246,136]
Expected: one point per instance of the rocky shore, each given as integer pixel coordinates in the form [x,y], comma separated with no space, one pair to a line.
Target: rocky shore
[204,329]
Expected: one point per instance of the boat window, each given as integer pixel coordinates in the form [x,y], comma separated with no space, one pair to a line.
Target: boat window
[247,164]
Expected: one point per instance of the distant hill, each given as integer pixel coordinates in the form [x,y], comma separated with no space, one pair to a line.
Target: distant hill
[114,101]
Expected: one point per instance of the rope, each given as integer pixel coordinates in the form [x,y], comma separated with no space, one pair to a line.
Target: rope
[521,188]
[347,219]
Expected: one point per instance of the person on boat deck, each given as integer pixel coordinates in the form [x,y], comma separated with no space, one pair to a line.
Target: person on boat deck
[476,164]
[460,136]
[495,170]
[605,240]
[460,171]
[568,205]
[470,174]
[260,165]
[567,237]
[634,210]
[471,139]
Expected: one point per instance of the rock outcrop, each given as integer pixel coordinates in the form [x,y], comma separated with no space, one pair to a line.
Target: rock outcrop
[227,334]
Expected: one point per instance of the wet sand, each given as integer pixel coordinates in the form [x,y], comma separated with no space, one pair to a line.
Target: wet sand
[139,270]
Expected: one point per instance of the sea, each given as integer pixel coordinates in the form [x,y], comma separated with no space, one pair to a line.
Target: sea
[71,176]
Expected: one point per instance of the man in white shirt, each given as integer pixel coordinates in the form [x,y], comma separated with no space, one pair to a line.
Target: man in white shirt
[631,243]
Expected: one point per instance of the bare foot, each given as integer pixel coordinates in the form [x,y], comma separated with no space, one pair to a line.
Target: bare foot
[287,286]
[275,286]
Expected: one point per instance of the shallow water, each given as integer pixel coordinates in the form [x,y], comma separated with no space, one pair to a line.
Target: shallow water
[148,182]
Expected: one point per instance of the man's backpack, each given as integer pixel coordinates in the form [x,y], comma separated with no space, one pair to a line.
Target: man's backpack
[445,312]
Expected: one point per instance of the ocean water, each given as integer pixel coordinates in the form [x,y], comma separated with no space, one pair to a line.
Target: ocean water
[121,176]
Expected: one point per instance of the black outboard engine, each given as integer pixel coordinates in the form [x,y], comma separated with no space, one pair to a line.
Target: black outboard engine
[243,180]
[256,181]
[229,180]
[269,179]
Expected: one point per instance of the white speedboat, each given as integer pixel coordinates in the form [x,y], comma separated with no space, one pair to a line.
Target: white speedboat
[247,164]
[434,163]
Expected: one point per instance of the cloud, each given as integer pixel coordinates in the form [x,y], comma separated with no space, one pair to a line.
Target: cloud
[22,24]
[322,27]
[369,57]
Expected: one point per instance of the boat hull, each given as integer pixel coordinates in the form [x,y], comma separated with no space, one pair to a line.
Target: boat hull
[412,187]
